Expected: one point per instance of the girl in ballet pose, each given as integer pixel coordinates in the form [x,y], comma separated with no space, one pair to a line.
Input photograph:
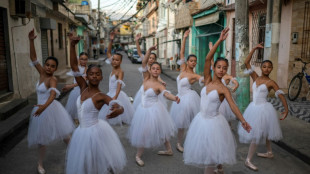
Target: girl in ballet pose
[115,85]
[152,59]
[94,147]
[152,125]
[183,113]
[49,121]
[74,94]
[260,113]
[209,141]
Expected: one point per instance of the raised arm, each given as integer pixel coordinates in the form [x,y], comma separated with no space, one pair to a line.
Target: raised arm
[145,60]
[182,51]
[248,60]
[109,52]
[33,54]
[138,37]
[210,55]
[74,62]
[234,81]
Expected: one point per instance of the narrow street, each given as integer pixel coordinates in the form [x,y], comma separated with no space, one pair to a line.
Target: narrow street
[23,160]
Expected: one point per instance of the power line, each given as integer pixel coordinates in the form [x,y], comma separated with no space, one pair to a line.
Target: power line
[128,10]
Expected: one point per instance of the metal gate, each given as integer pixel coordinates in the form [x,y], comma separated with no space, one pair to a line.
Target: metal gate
[305,50]
[44,43]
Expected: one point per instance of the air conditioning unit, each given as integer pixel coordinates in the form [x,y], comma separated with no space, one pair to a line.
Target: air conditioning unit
[20,8]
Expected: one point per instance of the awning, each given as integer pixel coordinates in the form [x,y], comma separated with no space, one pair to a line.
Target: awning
[209,19]
[48,23]
[84,18]
[91,27]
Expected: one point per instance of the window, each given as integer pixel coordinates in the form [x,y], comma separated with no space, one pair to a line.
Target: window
[60,35]
[305,48]
[258,34]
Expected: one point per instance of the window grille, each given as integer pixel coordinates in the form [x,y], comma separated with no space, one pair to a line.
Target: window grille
[305,50]
[258,34]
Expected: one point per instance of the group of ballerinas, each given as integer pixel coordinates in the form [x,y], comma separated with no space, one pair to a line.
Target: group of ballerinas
[94,147]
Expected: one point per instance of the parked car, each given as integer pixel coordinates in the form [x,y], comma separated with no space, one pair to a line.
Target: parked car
[135,58]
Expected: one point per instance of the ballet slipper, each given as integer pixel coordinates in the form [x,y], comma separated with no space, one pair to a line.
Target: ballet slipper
[180,148]
[265,155]
[139,161]
[41,170]
[250,165]
[165,153]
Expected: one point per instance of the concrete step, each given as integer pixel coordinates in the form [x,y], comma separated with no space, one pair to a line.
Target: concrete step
[9,108]
[6,96]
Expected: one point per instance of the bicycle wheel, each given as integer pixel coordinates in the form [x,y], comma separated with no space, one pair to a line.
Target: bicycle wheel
[294,88]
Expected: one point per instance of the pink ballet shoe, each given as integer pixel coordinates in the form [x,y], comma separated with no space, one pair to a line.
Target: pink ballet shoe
[165,153]
[41,170]
[139,161]
[265,155]
[180,148]
[250,165]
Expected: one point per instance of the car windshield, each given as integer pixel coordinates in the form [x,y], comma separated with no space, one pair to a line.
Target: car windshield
[135,52]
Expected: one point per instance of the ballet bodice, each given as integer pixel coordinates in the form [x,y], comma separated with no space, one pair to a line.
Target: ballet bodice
[87,112]
[183,85]
[113,83]
[43,93]
[259,93]
[210,103]
[149,97]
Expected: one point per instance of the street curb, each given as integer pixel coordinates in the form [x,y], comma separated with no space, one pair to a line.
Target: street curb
[167,75]
[296,153]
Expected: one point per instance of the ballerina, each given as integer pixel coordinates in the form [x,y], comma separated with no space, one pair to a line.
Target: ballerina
[183,113]
[260,113]
[49,121]
[94,147]
[209,141]
[152,58]
[74,94]
[152,125]
[115,85]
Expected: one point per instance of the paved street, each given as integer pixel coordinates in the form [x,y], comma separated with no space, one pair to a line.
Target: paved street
[23,160]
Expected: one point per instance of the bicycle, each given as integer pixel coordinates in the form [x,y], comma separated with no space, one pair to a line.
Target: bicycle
[296,83]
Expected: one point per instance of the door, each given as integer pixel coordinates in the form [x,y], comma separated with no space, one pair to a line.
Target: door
[4,76]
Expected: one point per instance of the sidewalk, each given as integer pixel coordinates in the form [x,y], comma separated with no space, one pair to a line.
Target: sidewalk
[295,128]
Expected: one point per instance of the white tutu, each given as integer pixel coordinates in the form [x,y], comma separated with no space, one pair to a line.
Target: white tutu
[54,123]
[264,121]
[125,117]
[184,112]
[137,99]
[71,102]
[226,111]
[209,141]
[95,149]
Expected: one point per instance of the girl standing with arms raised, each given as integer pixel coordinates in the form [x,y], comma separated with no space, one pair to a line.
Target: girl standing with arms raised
[209,141]
[152,125]
[94,147]
[183,113]
[260,113]
[49,121]
[115,85]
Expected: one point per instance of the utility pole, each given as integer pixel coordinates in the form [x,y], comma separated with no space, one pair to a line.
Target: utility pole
[242,50]
[98,31]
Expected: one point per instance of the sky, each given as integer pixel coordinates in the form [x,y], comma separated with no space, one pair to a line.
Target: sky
[116,8]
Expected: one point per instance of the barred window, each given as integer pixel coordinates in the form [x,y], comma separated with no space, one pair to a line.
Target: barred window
[305,49]
[258,34]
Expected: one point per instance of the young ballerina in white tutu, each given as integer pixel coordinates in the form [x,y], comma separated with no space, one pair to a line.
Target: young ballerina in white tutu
[115,85]
[49,121]
[209,141]
[74,94]
[183,113]
[260,113]
[94,146]
[152,59]
[152,125]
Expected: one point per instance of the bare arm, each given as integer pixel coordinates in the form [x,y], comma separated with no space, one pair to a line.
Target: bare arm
[33,54]
[275,87]
[248,60]
[103,99]
[235,82]
[109,51]
[138,36]
[169,96]
[145,60]
[119,85]
[182,51]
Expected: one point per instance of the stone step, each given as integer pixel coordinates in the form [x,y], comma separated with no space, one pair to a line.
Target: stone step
[6,96]
[9,108]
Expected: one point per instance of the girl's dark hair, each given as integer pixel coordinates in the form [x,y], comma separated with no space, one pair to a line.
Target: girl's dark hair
[264,61]
[220,59]
[191,55]
[93,66]
[119,54]
[52,58]
[155,63]
[83,53]
[154,55]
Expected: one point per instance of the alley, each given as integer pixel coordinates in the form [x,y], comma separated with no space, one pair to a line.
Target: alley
[23,160]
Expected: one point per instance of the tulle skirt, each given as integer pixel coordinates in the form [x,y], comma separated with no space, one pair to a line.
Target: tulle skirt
[209,142]
[95,149]
[151,126]
[226,111]
[71,103]
[125,117]
[264,121]
[54,123]
[138,98]
[184,112]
